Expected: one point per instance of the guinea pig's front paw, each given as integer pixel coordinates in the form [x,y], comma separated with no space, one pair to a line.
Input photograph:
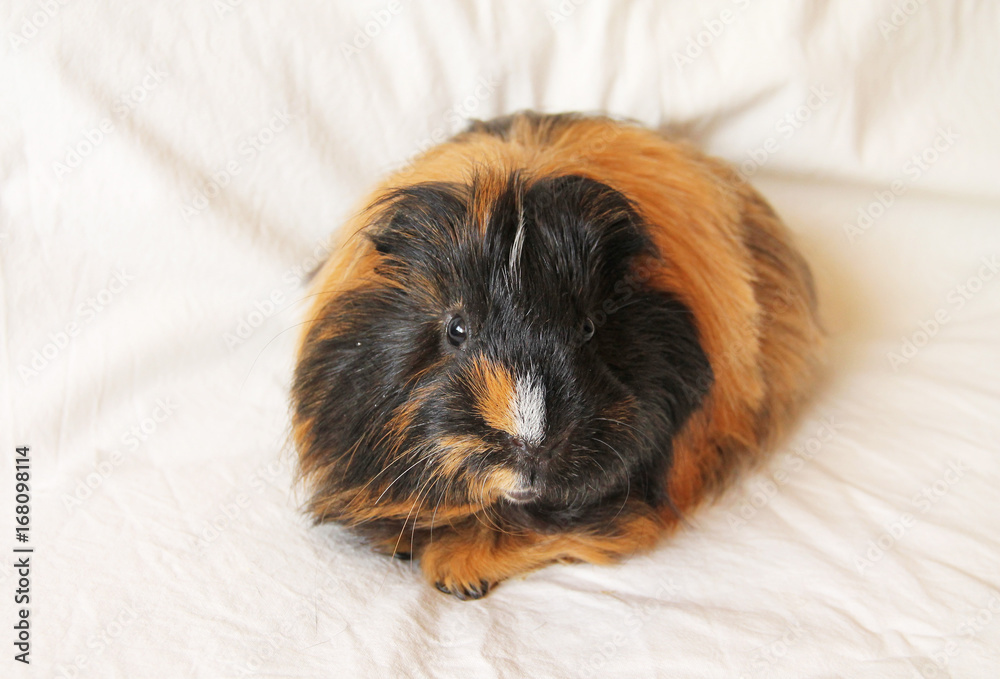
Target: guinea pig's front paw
[460,567]
[463,591]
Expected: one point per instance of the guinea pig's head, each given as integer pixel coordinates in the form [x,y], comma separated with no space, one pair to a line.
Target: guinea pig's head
[504,346]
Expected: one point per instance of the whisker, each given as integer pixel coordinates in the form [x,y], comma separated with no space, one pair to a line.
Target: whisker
[628,481]
[644,435]
[423,458]
[413,530]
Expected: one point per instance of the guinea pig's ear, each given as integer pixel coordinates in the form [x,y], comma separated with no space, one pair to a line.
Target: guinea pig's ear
[381,243]
[384,235]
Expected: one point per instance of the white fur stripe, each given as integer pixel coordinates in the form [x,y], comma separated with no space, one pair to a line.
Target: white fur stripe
[515,249]
[529,410]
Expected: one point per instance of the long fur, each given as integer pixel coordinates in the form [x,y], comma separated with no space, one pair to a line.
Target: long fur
[640,327]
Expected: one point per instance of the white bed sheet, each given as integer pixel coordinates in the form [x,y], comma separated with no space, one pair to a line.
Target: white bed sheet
[169,172]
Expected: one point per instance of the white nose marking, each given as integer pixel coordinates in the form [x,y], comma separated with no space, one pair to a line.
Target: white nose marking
[529,410]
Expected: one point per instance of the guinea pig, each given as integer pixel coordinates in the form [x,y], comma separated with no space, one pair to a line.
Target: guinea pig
[547,339]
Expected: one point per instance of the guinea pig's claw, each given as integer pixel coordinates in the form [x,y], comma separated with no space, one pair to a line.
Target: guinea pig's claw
[465,592]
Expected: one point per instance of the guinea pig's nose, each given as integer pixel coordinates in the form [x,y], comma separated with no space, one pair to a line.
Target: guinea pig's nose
[521,446]
[542,450]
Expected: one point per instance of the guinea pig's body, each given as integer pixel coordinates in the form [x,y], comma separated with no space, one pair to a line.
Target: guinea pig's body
[547,340]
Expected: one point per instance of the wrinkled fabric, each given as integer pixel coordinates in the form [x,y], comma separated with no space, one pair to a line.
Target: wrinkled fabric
[170,173]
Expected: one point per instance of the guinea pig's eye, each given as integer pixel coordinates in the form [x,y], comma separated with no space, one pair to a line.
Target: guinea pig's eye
[457,331]
[587,329]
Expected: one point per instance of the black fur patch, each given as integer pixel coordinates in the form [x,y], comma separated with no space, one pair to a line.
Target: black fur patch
[555,252]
